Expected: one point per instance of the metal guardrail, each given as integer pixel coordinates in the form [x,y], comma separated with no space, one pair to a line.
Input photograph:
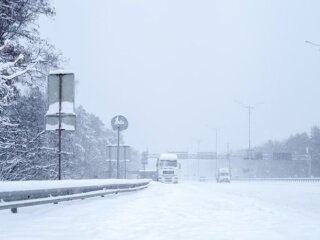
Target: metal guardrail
[279,179]
[17,199]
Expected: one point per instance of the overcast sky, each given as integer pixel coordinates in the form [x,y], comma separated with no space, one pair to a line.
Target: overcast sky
[174,68]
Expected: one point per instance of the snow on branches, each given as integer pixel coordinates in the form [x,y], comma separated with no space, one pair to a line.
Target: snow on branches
[25,58]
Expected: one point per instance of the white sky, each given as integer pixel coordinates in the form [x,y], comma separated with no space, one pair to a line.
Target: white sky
[175,67]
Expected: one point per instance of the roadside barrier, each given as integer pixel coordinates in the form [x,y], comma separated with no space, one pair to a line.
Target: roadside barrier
[17,199]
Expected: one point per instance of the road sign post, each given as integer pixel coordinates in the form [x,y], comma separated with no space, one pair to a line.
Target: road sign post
[60,115]
[125,163]
[112,156]
[144,159]
[119,123]
[118,155]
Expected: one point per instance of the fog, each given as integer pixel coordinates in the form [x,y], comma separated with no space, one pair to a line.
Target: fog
[175,69]
[222,139]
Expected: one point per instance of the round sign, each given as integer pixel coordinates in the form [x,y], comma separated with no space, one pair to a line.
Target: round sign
[119,123]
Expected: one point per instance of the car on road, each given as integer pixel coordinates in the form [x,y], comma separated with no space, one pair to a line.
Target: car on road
[223,175]
[203,179]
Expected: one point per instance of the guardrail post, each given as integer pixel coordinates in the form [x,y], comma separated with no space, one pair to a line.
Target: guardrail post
[14,210]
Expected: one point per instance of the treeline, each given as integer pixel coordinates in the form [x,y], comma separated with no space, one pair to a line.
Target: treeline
[30,152]
[301,143]
[27,151]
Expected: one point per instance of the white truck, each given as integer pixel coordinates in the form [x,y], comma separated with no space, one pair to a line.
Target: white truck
[223,175]
[167,167]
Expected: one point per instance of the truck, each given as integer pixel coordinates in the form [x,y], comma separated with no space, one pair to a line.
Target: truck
[167,167]
[223,175]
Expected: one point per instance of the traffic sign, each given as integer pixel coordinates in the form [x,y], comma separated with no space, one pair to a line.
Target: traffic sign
[61,113]
[60,91]
[119,123]
[67,122]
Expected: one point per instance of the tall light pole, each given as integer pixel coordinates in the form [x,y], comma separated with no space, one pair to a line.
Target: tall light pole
[198,160]
[307,150]
[312,43]
[249,108]
[228,157]
[216,150]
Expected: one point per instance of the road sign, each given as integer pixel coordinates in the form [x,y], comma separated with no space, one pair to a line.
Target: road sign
[60,90]
[124,153]
[119,123]
[282,156]
[68,122]
[60,115]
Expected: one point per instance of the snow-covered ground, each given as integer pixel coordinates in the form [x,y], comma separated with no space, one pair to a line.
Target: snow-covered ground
[194,210]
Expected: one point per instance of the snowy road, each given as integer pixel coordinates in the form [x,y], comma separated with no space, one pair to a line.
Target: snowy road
[240,210]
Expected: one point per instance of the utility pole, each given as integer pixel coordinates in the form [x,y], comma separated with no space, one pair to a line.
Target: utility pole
[249,113]
[310,159]
[228,156]
[216,150]
[309,162]
[198,160]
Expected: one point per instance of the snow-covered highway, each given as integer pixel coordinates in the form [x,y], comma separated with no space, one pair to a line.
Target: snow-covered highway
[191,210]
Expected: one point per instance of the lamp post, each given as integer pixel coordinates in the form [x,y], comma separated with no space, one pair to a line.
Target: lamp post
[249,108]
[216,150]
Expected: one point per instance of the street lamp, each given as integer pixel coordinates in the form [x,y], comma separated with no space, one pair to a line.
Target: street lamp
[312,43]
[216,150]
[249,108]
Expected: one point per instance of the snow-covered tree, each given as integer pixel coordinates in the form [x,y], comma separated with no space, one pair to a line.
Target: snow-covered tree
[24,57]
[25,60]
[27,151]
[85,149]
[30,152]
[296,144]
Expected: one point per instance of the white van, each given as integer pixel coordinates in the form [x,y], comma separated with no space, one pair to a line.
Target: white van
[223,175]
